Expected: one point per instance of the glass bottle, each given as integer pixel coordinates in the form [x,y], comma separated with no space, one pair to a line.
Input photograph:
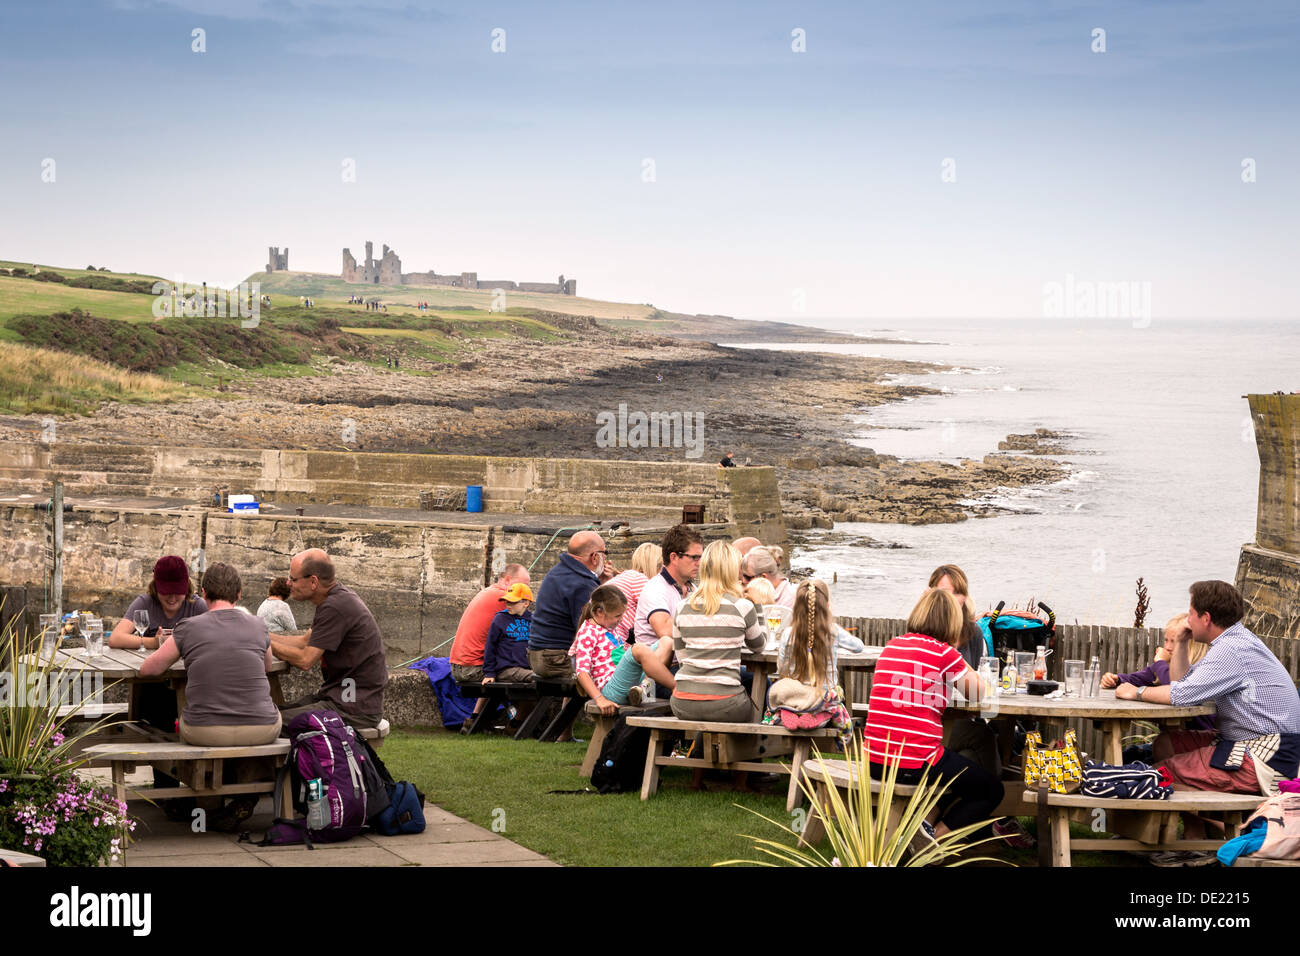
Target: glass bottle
[1040,664]
[1010,678]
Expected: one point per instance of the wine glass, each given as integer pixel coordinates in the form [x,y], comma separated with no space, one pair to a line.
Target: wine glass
[141,619]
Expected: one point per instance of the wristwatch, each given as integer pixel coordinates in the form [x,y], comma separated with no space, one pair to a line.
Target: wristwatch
[1140,690]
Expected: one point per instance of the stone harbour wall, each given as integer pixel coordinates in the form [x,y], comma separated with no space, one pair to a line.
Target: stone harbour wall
[1268,571]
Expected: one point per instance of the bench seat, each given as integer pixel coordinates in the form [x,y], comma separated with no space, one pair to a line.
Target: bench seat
[198,768]
[729,746]
[496,693]
[1141,824]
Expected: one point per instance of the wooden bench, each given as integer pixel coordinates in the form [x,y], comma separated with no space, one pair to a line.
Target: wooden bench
[197,768]
[825,773]
[14,858]
[78,712]
[1253,861]
[1141,824]
[728,746]
[541,692]
[604,724]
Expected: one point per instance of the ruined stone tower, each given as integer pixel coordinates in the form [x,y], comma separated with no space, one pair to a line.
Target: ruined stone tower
[277,261]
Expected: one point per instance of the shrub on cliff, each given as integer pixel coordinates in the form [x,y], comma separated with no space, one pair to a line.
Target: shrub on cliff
[163,344]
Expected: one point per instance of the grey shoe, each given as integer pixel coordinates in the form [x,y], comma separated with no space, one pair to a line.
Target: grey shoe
[636,696]
[1183,858]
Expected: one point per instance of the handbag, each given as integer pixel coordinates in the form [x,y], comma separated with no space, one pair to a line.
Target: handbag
[1057,770]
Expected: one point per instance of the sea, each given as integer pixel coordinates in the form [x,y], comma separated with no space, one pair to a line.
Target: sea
[1164,469]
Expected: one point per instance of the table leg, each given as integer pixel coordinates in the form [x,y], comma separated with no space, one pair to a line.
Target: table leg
[651,782]
[1113,751]
[758,689]
[277,693]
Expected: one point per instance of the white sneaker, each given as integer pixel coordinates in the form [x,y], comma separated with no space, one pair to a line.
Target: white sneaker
[636,695]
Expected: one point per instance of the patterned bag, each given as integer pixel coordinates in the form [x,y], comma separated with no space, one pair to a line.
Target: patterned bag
[1059,770]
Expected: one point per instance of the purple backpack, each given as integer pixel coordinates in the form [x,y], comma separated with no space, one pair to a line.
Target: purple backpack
[322,746]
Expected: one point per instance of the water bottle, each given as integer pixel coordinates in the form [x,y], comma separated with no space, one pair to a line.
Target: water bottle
[317,811]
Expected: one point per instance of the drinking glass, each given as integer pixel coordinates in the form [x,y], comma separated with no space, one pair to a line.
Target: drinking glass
[1091,682]
[1073,678]
[988,674]
[141,619]
[94,637]
[49,635]
[1025,668]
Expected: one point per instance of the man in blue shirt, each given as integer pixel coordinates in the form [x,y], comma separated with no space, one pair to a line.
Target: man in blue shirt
[564,592]
[1257,742]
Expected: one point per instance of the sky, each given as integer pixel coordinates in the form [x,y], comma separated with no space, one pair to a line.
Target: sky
[844,163]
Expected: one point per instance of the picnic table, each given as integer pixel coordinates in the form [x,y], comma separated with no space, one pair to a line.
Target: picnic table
[762,664]
[1112,714]
[120,664]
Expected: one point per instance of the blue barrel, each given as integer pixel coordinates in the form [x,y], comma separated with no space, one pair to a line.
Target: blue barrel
[473,498]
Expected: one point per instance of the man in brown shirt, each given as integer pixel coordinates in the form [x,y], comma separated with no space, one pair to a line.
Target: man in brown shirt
[343,637]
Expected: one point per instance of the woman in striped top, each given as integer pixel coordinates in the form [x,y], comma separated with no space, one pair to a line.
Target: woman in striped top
[908,697]
[710,631]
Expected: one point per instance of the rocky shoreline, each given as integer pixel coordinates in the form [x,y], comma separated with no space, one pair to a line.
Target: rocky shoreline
[524,398]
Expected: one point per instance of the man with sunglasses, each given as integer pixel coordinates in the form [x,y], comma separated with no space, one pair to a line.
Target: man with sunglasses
[563,593]
[663,594]
[343,637]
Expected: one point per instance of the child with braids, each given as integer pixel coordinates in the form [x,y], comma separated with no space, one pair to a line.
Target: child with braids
[807,693]
[608,671]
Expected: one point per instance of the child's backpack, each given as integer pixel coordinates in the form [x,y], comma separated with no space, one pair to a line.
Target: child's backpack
[1016,630]
[621,763]
[321,746]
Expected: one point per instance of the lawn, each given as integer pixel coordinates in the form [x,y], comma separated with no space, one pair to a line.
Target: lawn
[489,780]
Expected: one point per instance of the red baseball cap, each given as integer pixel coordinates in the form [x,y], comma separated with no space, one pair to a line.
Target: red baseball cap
[171,576]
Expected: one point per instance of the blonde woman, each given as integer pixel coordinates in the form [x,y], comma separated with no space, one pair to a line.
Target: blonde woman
[711,630]
[647,561]
[648,558]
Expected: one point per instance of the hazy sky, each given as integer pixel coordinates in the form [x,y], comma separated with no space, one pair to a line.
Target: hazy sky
[782,180]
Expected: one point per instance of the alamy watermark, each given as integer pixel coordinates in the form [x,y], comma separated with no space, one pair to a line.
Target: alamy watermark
[1085,299]
[624,429]
[40,689]
[180,299]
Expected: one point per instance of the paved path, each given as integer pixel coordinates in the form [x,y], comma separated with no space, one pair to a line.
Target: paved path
[447,840]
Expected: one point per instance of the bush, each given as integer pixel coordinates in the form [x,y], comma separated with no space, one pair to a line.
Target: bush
[112,284]
[45,275]
[18,271]
[62,818]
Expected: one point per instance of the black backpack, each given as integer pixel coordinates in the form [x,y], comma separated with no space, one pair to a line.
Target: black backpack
[621,763]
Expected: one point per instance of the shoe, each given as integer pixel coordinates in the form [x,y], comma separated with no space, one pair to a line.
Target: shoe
[1013,834]
[1183,858]
[234,814]
[923,840]
[636,696]
[180,810]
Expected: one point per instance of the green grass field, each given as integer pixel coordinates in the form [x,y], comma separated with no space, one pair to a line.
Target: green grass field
[496,779]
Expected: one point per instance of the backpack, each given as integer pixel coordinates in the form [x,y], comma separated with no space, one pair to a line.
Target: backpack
[322,746]
[394,807]
[621,763]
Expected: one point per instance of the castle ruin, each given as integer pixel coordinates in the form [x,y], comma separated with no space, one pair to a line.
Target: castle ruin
[276,260]
[388,271]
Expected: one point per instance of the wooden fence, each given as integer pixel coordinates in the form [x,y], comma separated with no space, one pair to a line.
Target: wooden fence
[1122,650]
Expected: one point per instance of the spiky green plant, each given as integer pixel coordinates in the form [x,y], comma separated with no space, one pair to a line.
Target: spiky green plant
[34,738]
[859,830]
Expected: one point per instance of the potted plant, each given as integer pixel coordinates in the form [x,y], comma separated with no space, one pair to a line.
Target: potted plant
[46,807]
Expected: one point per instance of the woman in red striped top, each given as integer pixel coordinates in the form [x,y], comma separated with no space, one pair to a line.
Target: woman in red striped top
[908,697]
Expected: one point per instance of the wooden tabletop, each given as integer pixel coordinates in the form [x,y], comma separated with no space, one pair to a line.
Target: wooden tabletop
[1105,707]
[867,659]
[117,663]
